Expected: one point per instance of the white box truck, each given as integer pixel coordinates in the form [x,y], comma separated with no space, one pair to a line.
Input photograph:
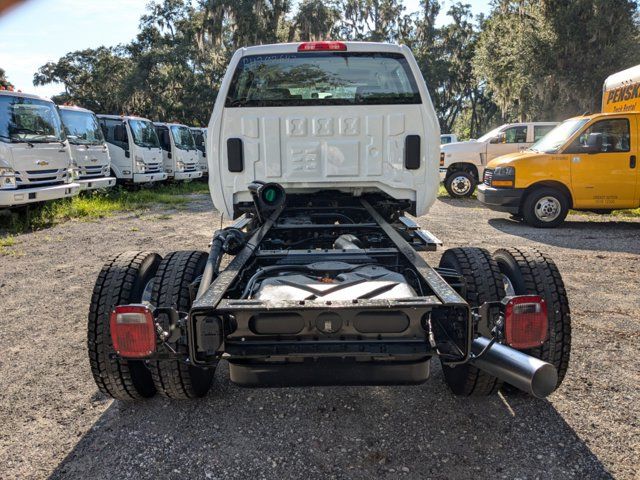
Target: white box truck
[200,137]
[321,149]
[462,163]
[35,160]
[134,148]
[179,152]
[88,148]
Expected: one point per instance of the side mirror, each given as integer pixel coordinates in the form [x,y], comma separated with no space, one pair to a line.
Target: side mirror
[169,154]
[500,138]
[594,143]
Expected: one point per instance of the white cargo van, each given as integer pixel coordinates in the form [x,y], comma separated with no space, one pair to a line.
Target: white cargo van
[134,148]
[179,152]
[343,135]
[200,137]
[88,148]
[462,163]
[35,160]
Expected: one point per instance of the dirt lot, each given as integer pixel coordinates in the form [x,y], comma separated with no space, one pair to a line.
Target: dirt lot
[55,424]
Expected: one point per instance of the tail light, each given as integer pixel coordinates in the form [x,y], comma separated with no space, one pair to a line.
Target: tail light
[133,331]
[526,321]
[442,159]
[322,47]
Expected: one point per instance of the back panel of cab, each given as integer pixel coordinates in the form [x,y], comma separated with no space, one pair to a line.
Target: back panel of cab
[346,147]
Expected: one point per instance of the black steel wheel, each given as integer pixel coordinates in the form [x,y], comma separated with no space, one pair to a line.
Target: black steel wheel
[121,281]
[531,272]
[460,184]
[483,283]
[175,378]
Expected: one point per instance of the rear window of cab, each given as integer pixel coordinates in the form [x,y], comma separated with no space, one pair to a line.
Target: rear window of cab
[322,78]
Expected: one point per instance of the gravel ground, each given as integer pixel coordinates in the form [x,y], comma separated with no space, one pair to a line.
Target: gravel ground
[56,425]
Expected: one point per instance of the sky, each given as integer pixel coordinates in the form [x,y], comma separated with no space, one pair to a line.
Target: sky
[40,31]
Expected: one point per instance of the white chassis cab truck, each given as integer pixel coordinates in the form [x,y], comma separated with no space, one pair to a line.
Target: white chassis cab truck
[88,148]
[134,149]
[200,137]
[35,160]
[179,152]
[320,151]
[462,163]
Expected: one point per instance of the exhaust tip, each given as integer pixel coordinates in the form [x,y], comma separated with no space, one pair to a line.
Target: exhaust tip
[544,381]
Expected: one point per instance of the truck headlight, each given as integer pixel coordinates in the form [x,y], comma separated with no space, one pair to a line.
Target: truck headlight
[7,179]
[179,166]
[504,177]
[140,165]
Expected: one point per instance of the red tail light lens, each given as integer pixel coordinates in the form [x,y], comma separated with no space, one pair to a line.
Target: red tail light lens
[526,321]
[322,47]
[133,331]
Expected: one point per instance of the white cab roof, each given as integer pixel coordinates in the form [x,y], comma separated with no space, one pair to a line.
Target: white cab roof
[9,93]
[630,75]
[351,47]
[74,108]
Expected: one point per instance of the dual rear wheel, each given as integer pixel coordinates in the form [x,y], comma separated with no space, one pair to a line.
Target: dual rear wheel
[508,272]
[134,277]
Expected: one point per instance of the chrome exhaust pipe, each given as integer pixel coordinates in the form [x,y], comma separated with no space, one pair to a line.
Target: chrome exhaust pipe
[523,371]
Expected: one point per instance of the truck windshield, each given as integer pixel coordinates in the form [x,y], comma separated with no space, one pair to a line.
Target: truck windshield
[182,138]
[144,133]
[322,78]
[198,138]
[81,127]
[557,137]
[29,120]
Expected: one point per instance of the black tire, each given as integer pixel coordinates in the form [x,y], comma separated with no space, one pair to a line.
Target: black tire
[460,184]
[531,272]
[534,206]
[173,378]
[483,283]
[121,281]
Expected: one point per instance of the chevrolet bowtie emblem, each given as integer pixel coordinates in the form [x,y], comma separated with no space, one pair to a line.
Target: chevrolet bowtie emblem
[42,163]
[94,159]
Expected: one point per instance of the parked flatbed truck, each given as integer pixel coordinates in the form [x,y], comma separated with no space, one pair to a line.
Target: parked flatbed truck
[321,151]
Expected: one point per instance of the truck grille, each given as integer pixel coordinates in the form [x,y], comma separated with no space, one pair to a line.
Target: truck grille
[488,176]
[190,167]
[92,171]
[152,168]
[32,178]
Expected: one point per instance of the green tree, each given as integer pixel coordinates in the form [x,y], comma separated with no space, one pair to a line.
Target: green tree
[4,81]
[92,77]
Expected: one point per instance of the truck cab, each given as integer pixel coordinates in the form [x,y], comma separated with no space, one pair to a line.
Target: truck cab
[586,163]
[134,148]
[372,130]
[200,137]
[35,159]
[88,148]
[179,152]
[447,138]
[462,163]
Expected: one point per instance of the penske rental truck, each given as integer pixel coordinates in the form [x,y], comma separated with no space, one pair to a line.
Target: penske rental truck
[179,152]
[35,160]
[322,152]
[586,163]
[88,147]
[134,148]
